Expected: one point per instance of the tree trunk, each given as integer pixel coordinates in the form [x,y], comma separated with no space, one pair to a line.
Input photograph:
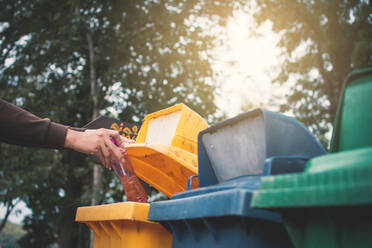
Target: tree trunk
[93,86]
[70,233]
[66,235]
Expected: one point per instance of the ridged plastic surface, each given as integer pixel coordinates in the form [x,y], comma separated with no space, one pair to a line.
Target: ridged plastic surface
[123,225]
[329,204]
[165,153]
[220,216]
[335,179]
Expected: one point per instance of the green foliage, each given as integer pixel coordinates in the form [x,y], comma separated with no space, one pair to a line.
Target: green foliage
[148,55]
[322,41]
[10,235]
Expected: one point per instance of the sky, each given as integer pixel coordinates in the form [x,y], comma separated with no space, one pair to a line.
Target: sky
[245,65]
[18,213]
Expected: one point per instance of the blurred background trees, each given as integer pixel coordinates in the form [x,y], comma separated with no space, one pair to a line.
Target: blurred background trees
[322,41]
[10,234]
[73,60]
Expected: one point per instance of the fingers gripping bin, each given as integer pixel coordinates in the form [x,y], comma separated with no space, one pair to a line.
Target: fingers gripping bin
[165,153]
[123,225]
[233,156]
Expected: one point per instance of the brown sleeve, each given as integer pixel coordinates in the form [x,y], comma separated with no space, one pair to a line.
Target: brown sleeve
[20,127]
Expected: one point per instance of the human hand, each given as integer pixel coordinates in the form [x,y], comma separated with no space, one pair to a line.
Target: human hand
[97,142]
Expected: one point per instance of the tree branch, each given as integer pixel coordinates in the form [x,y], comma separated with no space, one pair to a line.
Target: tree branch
[9,210]
[92,73]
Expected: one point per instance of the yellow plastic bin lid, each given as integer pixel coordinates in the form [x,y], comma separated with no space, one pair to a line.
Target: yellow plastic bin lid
[123,224]
[165,152]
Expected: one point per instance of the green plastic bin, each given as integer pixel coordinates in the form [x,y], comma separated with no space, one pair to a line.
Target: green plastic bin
[329,204]
[353,125]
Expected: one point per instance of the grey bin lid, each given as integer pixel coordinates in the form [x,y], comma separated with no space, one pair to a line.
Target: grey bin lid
[240,145]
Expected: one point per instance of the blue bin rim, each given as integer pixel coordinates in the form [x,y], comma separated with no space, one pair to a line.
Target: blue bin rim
[226,202]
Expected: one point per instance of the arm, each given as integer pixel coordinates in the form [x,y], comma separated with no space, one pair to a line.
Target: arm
[20,127]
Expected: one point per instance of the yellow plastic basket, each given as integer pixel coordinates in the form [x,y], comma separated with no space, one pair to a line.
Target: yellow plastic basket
[165,152]
[123,224]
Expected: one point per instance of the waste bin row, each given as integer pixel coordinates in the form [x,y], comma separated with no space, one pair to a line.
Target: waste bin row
[263,181]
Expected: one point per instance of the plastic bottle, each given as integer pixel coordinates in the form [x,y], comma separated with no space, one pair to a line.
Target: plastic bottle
[132,186]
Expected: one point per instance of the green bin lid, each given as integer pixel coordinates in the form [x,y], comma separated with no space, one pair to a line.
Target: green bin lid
[353,119]
[336,179]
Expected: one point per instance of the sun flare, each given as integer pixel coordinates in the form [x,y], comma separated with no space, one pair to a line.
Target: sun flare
[246,63]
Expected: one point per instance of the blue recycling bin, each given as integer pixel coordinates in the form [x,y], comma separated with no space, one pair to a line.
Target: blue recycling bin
[240,145]
[233,156]
[220,216]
